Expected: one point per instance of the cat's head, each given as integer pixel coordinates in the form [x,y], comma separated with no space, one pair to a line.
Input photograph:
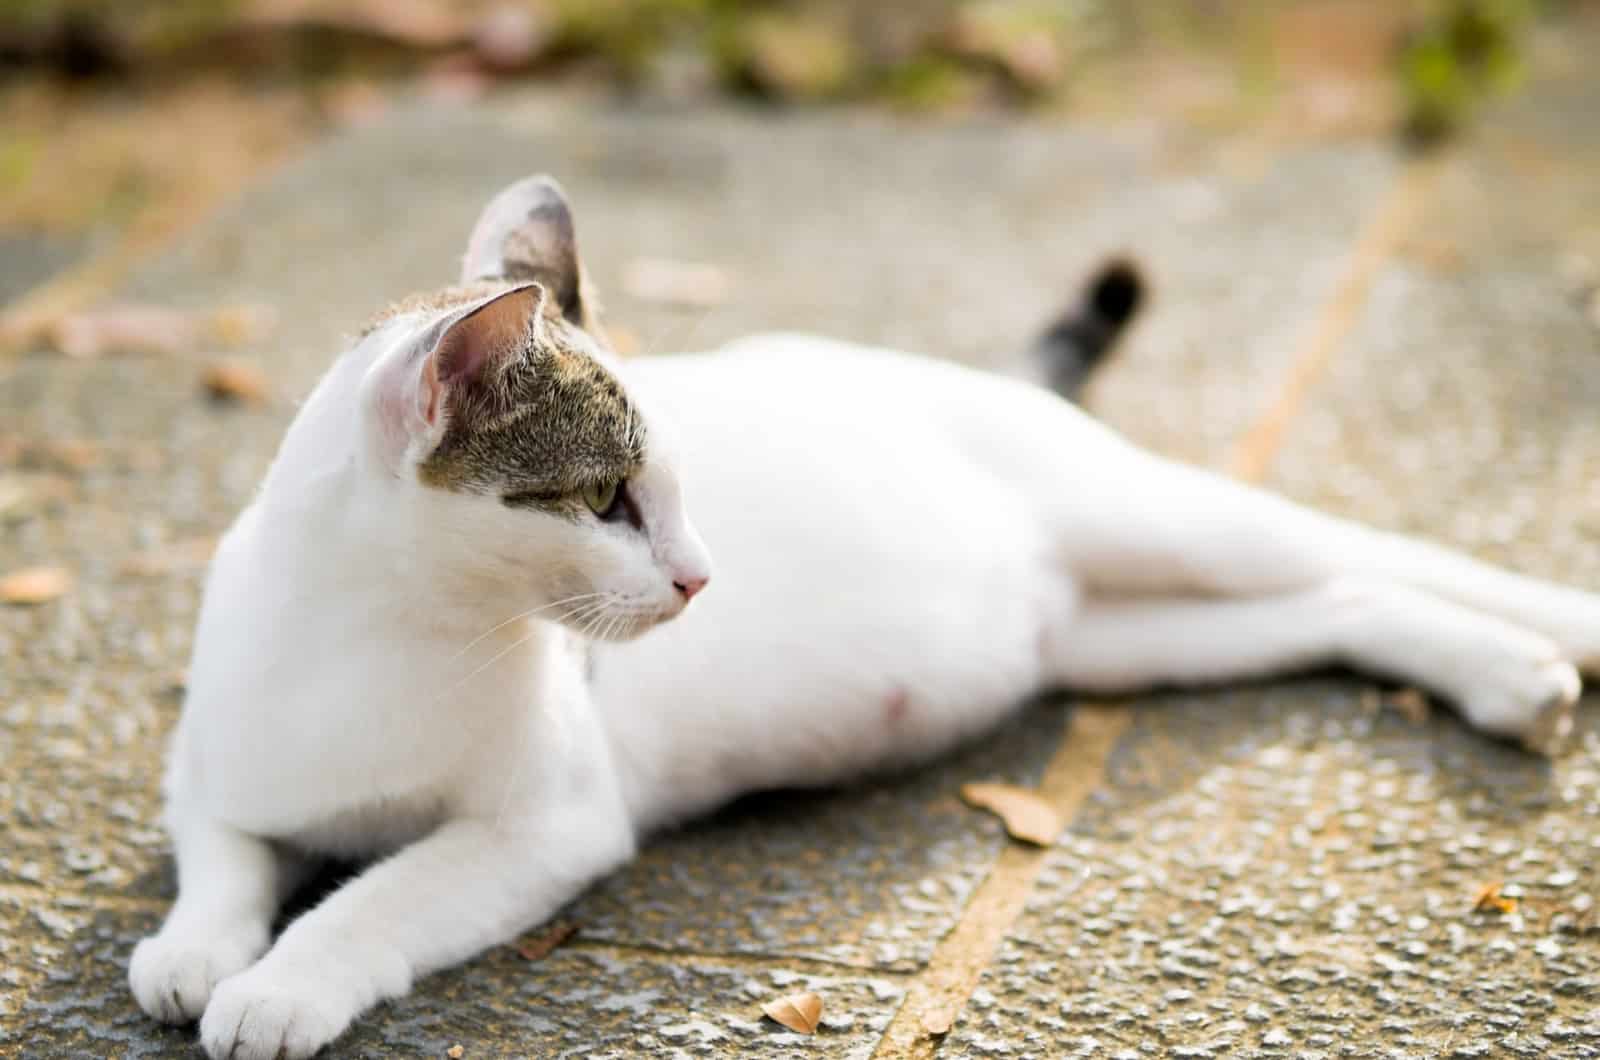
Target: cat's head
[530,471]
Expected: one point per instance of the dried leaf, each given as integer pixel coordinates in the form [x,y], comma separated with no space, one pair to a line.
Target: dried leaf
[1026,814]
[34,585]
[186,555]
[680,283]
[455,1052]
[1489,897]
[74,454]
[799,1012]
[540,946]
[235,379]
[1410,704]
[129,329]
[136,328]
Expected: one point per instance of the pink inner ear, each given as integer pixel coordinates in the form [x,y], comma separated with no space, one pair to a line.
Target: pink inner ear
[429,391]
[484,338]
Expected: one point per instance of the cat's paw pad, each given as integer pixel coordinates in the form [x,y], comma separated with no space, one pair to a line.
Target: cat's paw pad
[172,974]
[258,1015]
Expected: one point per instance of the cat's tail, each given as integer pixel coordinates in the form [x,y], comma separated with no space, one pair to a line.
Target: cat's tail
[1071,348]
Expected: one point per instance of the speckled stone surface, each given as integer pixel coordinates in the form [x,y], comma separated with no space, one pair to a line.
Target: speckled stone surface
[581,1001]
[1280,873]
[958,239]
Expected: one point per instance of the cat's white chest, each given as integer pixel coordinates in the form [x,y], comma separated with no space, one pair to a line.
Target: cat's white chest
[327,726]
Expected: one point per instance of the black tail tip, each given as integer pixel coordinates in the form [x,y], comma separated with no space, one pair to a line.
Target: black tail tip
[1117,291]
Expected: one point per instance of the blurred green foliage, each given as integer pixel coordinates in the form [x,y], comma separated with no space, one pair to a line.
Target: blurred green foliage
[1463,52]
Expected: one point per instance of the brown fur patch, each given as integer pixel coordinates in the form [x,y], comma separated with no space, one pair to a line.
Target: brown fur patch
[541,424]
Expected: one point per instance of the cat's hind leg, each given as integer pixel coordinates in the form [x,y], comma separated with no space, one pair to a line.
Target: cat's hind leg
[1159,527]
[230,886]
[1503,679]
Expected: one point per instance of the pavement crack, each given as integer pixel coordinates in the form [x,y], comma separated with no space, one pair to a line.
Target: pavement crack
[751,961]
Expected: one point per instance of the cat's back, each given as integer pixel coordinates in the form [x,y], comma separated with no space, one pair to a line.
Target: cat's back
[819,399]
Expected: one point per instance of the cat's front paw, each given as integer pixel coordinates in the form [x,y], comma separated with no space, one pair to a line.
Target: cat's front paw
[173,973]
[263,1014]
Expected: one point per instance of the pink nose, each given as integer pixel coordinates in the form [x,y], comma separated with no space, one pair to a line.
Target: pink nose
[689,587]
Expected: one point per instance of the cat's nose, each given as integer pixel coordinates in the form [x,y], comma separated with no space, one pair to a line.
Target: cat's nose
[689,586]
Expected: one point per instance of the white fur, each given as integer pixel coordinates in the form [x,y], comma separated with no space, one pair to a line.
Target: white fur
[904,551]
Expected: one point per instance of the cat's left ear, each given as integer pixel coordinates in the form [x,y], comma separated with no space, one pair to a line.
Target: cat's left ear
[416,389]
[526,233]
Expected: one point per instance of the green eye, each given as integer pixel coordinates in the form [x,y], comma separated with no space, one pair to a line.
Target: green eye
[600,497]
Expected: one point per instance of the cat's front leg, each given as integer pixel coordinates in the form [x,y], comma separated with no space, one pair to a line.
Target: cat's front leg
[230,885]
[471,884]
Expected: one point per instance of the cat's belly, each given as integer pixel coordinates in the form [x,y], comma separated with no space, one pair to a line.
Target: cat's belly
[878,594]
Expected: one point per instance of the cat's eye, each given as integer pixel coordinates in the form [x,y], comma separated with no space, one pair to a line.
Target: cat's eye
[601,497]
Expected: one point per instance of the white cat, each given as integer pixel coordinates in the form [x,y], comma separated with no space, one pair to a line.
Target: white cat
[419,640]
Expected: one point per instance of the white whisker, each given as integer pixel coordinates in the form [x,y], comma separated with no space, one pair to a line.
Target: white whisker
[496,657]
[525,614]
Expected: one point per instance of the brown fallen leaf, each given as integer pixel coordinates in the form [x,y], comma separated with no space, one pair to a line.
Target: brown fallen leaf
[540,946]
[186,555]
[1026,814]
[138,328]
[1489,897]
[455,1052]
[679,283]
[799,1012]
[936,1023]
[235,379]
[131,329]
[1410,703]
[35,585]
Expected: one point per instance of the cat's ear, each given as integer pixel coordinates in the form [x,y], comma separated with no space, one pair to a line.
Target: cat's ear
[463,353]
[526,233]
